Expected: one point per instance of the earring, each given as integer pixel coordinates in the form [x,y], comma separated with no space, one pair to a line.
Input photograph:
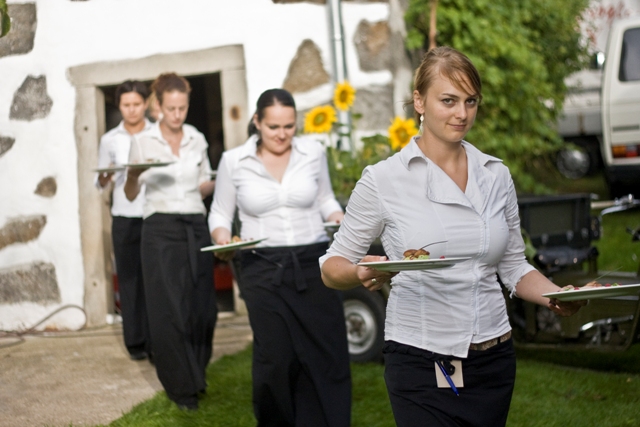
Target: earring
[421,120]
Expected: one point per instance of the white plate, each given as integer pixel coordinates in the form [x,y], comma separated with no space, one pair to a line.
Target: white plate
[147,165]
[110,169]
[232,246]
[413,264]
[594,293]
[331,224]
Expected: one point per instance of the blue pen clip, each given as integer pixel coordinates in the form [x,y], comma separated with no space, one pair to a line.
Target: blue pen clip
[448,378]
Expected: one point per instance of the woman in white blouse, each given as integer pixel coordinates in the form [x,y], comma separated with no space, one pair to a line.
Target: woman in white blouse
[280,185]
[440,188]
[178,278]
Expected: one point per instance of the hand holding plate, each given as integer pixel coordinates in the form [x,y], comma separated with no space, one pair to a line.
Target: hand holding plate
[566,308]
[371,278]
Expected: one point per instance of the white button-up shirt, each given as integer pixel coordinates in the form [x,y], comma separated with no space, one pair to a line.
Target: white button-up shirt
[410,202]
[174,188]
[290,212]
[114,150]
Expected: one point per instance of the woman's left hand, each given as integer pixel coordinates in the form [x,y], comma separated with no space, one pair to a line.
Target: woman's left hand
[566,308]
[371,278]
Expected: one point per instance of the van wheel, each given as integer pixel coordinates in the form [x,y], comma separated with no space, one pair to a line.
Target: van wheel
[364,313]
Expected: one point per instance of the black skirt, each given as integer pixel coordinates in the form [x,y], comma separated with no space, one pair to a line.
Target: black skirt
[179,291]
[416,400]
[301,374]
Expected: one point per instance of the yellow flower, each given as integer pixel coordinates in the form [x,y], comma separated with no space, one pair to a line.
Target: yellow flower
[320,119]
[344,96]
[401,131]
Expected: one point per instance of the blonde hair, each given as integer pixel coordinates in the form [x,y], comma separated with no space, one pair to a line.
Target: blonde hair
[449,63]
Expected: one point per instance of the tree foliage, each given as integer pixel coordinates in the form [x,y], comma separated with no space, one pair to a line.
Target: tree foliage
[5,21]
[523,50]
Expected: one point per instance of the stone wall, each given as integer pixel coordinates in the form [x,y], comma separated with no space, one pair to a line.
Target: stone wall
[35,282]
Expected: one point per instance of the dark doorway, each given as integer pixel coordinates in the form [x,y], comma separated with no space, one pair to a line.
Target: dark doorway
[205,111]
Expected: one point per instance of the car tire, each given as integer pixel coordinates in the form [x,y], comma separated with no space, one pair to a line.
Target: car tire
[364,313]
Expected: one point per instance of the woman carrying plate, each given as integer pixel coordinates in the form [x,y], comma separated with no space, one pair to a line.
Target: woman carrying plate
[440,188]
[178,277]
[280,186]
[126,215]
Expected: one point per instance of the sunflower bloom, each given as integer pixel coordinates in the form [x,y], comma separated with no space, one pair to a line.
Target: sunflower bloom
[320,119]
[401,131]
[343,96]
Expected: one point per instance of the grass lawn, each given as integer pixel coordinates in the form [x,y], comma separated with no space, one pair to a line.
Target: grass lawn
[553,387]
[563,393]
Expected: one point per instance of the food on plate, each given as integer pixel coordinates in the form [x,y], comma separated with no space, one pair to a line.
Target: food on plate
[413,254]
[236,239]
[590,285]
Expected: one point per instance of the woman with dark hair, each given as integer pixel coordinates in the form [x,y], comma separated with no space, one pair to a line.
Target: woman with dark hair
[280,186]
[449,357]
[126,225]
[178,277]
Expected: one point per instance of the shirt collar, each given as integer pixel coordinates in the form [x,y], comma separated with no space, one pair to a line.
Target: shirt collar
[412,151]
[479,184]
[188,132]
[121,129]
[250,148]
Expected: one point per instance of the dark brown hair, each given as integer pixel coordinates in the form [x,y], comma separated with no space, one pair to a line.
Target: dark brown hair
[169,82]
[267,99]
[131,86]
[449,63]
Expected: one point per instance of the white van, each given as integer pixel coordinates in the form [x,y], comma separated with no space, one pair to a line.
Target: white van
[620,144]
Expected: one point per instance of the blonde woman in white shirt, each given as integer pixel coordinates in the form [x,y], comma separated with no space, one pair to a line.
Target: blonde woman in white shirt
[280,185]
[126,225]
[440,188]
[178,277]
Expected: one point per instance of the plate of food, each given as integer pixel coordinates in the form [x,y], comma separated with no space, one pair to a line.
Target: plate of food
[110,169]
[148,164]
[236,243]
[413,264]
[593,290]
[331,224]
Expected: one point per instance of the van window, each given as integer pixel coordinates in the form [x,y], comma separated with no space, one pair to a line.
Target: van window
[630,58]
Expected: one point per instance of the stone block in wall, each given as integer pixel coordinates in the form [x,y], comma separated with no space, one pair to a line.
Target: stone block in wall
[31,101]
[6,143]
[47,187]
[20,38]
[375,103]
[306,70]
[21,230]
[35,283]
[372,41]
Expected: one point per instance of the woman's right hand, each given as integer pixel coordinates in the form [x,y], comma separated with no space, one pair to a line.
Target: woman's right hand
[222,236]
[371,278]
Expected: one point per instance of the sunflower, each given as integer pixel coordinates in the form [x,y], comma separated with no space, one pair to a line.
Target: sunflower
[320,119]
[344,96]
[401,131]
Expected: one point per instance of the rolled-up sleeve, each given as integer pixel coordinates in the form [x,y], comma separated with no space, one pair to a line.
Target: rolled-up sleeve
[224,200]
[362,223]
[513,265]
[326,198]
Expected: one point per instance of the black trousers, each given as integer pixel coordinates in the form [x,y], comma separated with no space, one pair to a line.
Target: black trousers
[179,290]
[488,376]
[301,374]
[126,234]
